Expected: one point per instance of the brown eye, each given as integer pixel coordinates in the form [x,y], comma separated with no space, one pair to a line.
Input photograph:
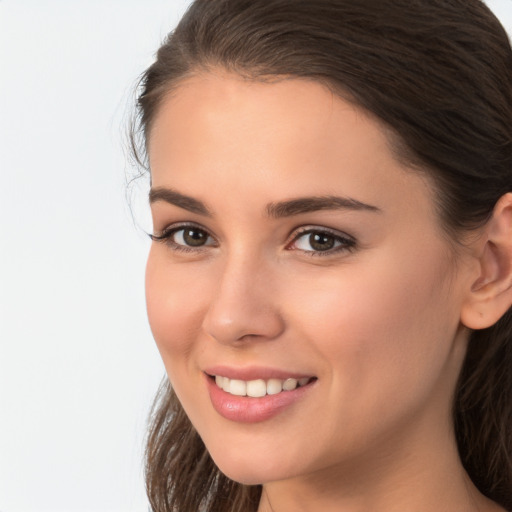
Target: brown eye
[317,241]
[185,238]
[190,236]
[321,241]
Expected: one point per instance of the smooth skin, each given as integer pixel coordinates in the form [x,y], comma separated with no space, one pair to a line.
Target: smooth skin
[379,312]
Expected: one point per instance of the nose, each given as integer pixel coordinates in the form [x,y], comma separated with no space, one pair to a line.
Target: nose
[243,304]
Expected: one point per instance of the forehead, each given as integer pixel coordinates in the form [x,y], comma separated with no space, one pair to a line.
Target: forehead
[280,110]
[220,130]
[226,112]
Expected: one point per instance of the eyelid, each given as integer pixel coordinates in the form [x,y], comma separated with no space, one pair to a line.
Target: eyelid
[172,228]
[165,236]
[348,242]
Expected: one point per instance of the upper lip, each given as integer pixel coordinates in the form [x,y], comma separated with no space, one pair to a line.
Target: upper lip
[254,372]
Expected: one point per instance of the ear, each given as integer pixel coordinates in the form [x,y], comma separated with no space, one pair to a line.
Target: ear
[490,294]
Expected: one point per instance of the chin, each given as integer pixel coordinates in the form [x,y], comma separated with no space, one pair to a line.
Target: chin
[244,469]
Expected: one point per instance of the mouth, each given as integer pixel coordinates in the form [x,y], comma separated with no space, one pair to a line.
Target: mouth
[259,388]
[256,393]
[256,400]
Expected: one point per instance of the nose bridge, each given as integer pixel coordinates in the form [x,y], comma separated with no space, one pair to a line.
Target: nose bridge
[243,304]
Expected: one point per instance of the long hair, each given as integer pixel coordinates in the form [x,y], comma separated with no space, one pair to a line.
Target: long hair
[438,74]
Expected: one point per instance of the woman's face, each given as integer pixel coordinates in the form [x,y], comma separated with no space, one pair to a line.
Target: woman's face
[296,250]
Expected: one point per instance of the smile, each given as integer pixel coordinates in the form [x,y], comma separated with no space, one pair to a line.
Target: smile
[259,387]
[263,394]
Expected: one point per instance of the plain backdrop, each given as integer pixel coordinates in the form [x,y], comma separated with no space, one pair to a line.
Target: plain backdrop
[78,366]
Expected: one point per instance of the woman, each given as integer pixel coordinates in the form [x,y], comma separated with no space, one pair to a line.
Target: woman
[331,274]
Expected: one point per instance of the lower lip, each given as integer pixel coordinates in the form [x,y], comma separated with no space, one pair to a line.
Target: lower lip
[244,409]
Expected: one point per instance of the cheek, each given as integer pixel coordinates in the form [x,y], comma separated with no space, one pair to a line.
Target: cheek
[386,328]
[175,308]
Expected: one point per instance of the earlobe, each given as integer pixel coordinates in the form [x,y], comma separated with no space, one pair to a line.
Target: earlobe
[490,294]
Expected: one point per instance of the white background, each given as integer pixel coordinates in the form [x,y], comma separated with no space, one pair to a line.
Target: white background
[78,367]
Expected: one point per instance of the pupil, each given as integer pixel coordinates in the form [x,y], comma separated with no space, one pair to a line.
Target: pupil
[321,241]
[194,237]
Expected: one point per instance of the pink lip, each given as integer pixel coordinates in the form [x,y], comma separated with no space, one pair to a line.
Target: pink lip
[253,373]
[243,409]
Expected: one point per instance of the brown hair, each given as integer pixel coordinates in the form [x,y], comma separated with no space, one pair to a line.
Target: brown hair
[438,73]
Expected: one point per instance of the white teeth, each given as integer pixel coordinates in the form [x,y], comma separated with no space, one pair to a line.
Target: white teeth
[274,386]
[289,384]
[258,388]
[238,387]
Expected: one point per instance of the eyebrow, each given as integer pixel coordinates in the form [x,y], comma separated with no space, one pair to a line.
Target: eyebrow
[313,204]
[171,196]
[275,210]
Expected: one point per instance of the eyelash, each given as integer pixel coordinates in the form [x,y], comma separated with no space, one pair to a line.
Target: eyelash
[345,243]
[167,234]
